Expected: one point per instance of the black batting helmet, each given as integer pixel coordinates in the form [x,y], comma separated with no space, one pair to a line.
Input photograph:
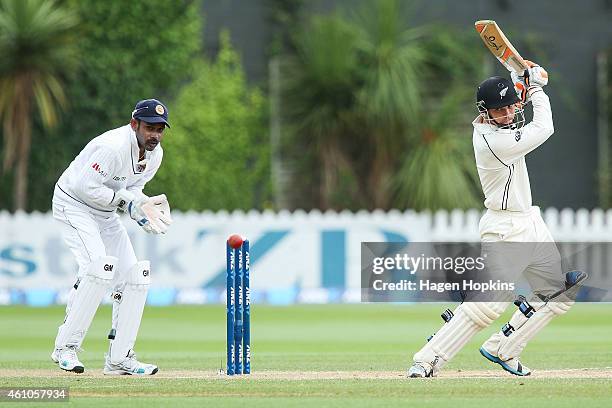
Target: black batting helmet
[496,92]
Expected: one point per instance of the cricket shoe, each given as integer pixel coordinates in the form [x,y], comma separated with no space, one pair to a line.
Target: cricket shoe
[129,366]
[66,358]
[420,370]
[513,366]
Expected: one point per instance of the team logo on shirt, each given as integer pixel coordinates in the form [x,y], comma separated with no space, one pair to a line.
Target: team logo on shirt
[141,165]
[97,168]
[517,135]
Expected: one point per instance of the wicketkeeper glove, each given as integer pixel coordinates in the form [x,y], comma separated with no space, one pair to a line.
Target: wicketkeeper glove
[160,213]
[151,213]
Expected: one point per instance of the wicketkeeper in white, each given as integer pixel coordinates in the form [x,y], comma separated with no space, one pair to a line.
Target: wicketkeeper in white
[110,174]
[500,144]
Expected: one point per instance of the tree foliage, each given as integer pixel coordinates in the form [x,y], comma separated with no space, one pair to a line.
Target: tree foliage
[216,156]
[127,51]
[361,94]
[131,51]
[37,46]
[438,170]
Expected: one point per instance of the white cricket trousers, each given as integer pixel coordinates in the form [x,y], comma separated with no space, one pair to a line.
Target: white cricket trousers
[91,236]
[539,260]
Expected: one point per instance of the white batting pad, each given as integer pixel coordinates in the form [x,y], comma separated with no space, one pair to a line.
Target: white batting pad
[468,319]
[525,310]
[129,311]
[513,345]
[85,302]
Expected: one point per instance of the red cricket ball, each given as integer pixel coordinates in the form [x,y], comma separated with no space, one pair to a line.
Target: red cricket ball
[235,241]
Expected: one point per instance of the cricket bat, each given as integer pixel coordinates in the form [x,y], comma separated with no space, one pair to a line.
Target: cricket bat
[500,46]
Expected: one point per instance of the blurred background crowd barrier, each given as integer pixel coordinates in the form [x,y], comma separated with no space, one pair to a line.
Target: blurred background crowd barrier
[303,257]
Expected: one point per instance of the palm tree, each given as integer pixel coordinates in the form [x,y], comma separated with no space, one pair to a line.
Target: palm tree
[368,99]
[439,171]
[392,59]
[351,91]
[318,86]
[37,49]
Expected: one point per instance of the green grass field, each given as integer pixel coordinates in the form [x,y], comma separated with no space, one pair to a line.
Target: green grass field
[334,355]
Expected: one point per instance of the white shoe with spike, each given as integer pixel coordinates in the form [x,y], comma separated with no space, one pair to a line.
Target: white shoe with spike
[129,366]
[420,370]
[67,359]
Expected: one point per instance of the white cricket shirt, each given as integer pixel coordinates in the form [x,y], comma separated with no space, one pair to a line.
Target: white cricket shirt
[107,164]
[500,156]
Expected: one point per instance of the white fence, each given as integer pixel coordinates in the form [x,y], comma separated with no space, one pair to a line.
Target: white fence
[296,256]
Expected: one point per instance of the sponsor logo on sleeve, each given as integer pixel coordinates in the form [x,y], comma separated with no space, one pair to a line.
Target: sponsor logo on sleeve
[99,170]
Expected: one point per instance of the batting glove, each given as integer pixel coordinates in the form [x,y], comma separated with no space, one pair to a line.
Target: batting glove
[535,75]
[520,86]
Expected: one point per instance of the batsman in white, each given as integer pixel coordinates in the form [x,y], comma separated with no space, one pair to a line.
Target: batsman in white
[109,175]
[500,144]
